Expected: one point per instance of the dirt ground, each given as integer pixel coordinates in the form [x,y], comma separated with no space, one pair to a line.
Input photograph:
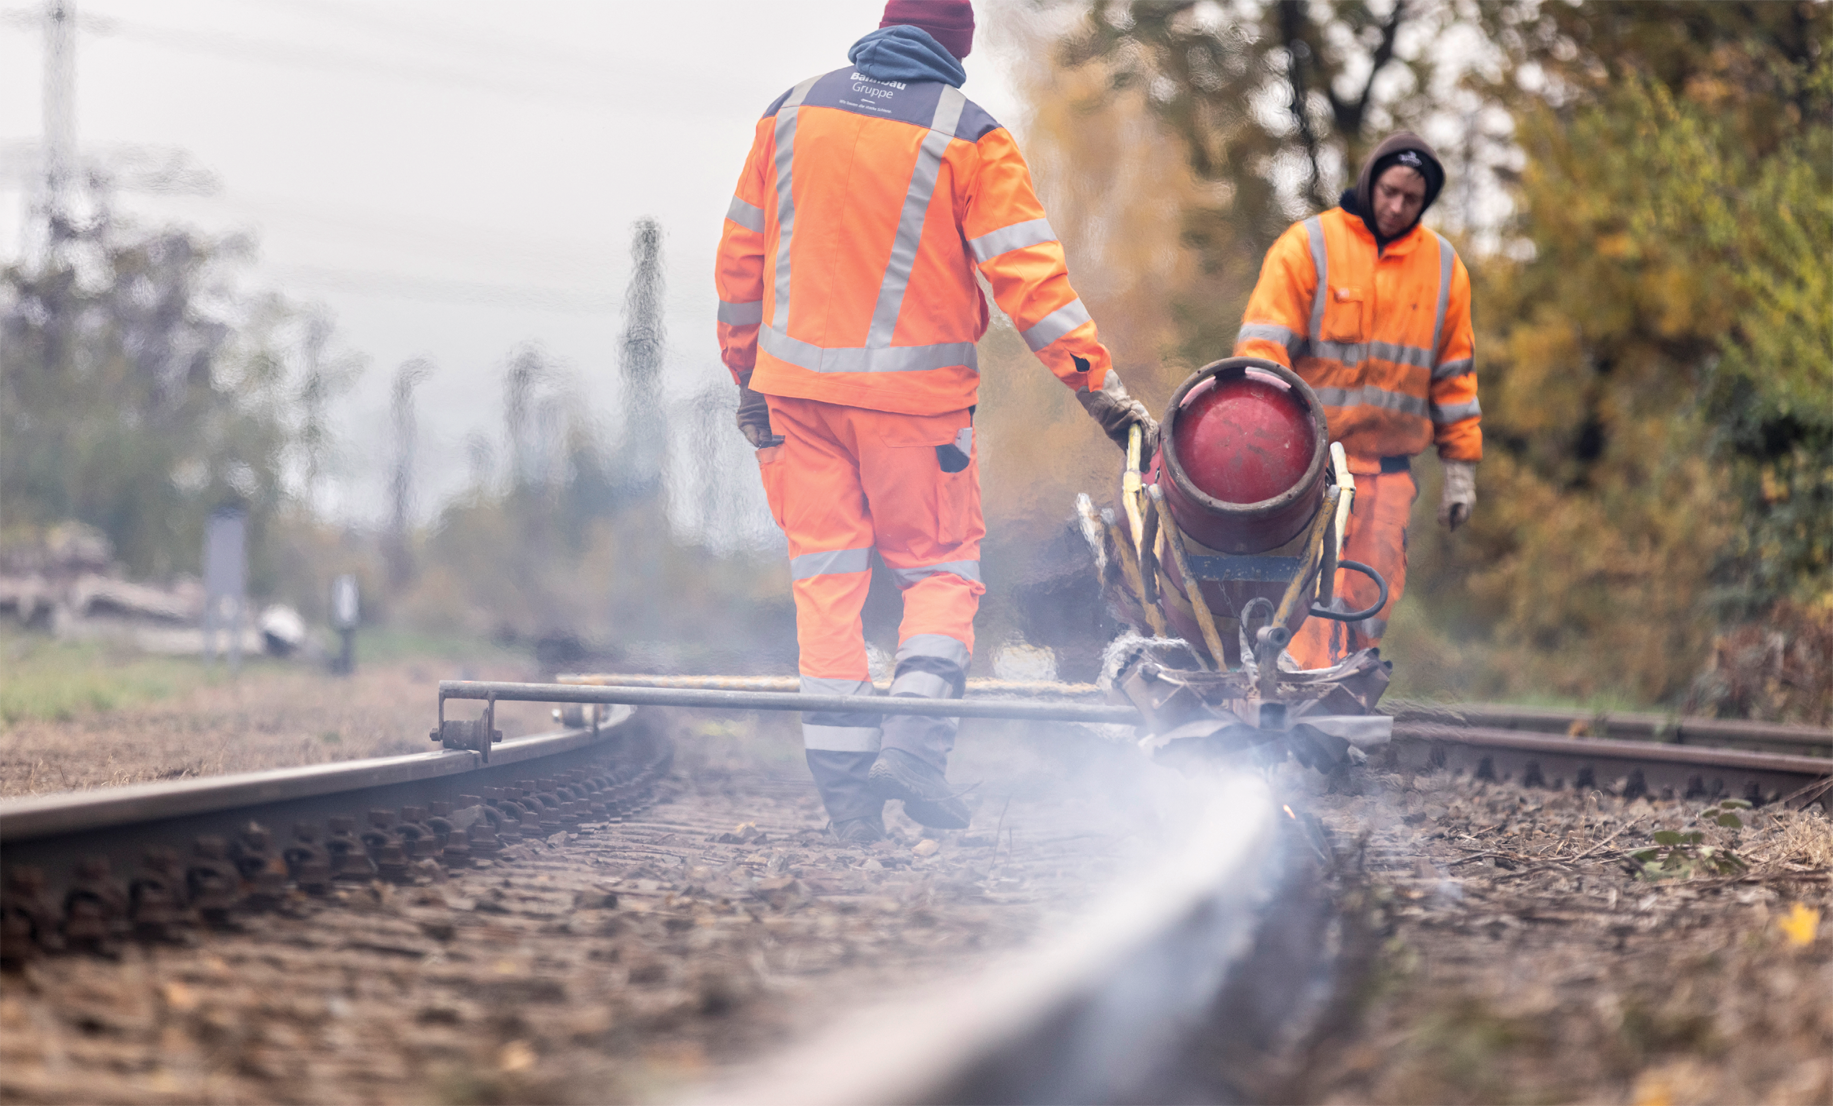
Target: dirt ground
[1517,957]
[271,716]
[622,965]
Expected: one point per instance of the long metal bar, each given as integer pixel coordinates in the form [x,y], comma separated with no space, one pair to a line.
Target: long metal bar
[775,700]
[975,684]
[1670,728]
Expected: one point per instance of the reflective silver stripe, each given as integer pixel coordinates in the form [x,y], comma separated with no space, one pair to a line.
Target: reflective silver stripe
[1314,233]
[1455,412]
[926,684]
[940,646]
[785,194]
[1266,332]
[1445,256]
[833,562]
[910,222]
[1055,325]
[1352,354]
[1033,232]
[827,685]
[1454,368]
[749,216]
[1373,629]
[1370,396]
[841,739]
[967,570]
[741,314]
[859,359]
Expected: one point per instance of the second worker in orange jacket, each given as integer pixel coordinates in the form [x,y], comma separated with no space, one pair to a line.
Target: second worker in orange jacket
[1373,311]
[873,198]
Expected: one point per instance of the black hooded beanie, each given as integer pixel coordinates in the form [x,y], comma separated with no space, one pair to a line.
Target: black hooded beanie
[1403,148]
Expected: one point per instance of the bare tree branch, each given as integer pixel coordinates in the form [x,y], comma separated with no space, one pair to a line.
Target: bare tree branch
[1298,56]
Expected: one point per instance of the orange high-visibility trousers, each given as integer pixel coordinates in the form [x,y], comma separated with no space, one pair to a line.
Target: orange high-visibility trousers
[847,481]
[1377,537]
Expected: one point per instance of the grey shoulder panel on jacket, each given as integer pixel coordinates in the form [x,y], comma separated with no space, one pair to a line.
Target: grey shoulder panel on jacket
[776,104]
[975,123]
[881,98]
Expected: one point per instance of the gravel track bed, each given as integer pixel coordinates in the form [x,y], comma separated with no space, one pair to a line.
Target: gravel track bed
[1517,956]
[617,965]
[270,716]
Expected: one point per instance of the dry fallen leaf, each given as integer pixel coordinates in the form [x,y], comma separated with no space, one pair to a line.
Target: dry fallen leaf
[180,997]
[1653,1092]
[516,1056]
[1800,925]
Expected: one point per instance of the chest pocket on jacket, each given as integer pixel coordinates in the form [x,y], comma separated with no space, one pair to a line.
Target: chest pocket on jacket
[1343,314]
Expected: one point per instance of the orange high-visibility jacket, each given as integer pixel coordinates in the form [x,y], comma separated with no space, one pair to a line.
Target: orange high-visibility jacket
[846,270]
[1384,338]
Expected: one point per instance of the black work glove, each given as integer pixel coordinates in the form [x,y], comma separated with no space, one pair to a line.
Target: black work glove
[754,418]
[1118,413]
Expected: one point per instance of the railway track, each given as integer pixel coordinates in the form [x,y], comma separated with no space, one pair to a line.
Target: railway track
[1186,951]
[1070,1020]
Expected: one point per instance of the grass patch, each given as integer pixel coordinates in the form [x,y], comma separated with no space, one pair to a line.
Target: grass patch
[383,645]
[46,679]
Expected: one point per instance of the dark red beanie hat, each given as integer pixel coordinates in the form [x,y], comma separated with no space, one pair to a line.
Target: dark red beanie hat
[949,22]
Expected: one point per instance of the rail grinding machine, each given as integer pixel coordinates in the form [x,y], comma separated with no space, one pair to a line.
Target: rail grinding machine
[1229,538]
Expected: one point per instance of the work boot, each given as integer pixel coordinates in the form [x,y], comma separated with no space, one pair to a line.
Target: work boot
[923,788]
[859,831]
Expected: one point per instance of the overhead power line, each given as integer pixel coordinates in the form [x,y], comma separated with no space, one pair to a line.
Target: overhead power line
[440,31]
[255,51]
[561,301]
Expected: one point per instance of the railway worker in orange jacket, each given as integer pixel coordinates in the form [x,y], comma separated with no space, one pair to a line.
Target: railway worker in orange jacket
[1373,310]
[849,311]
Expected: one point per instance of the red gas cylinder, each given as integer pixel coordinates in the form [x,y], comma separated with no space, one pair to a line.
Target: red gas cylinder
[1245,451]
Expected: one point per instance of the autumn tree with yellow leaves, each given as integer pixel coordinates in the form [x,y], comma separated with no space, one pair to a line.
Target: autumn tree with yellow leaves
[1655,318]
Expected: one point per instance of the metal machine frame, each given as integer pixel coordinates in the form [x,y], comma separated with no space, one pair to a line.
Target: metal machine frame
[1192,699]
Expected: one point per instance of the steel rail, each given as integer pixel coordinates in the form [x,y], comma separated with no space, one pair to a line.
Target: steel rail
[60,852]
[68,812]
[1108,1009]
[1668,728]
[1643,767]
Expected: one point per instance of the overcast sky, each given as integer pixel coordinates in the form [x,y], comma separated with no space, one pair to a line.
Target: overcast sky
[451,178]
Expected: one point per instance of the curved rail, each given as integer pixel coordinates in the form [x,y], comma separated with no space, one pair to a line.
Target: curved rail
[1109,1010]
[89,868]
[84,811]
